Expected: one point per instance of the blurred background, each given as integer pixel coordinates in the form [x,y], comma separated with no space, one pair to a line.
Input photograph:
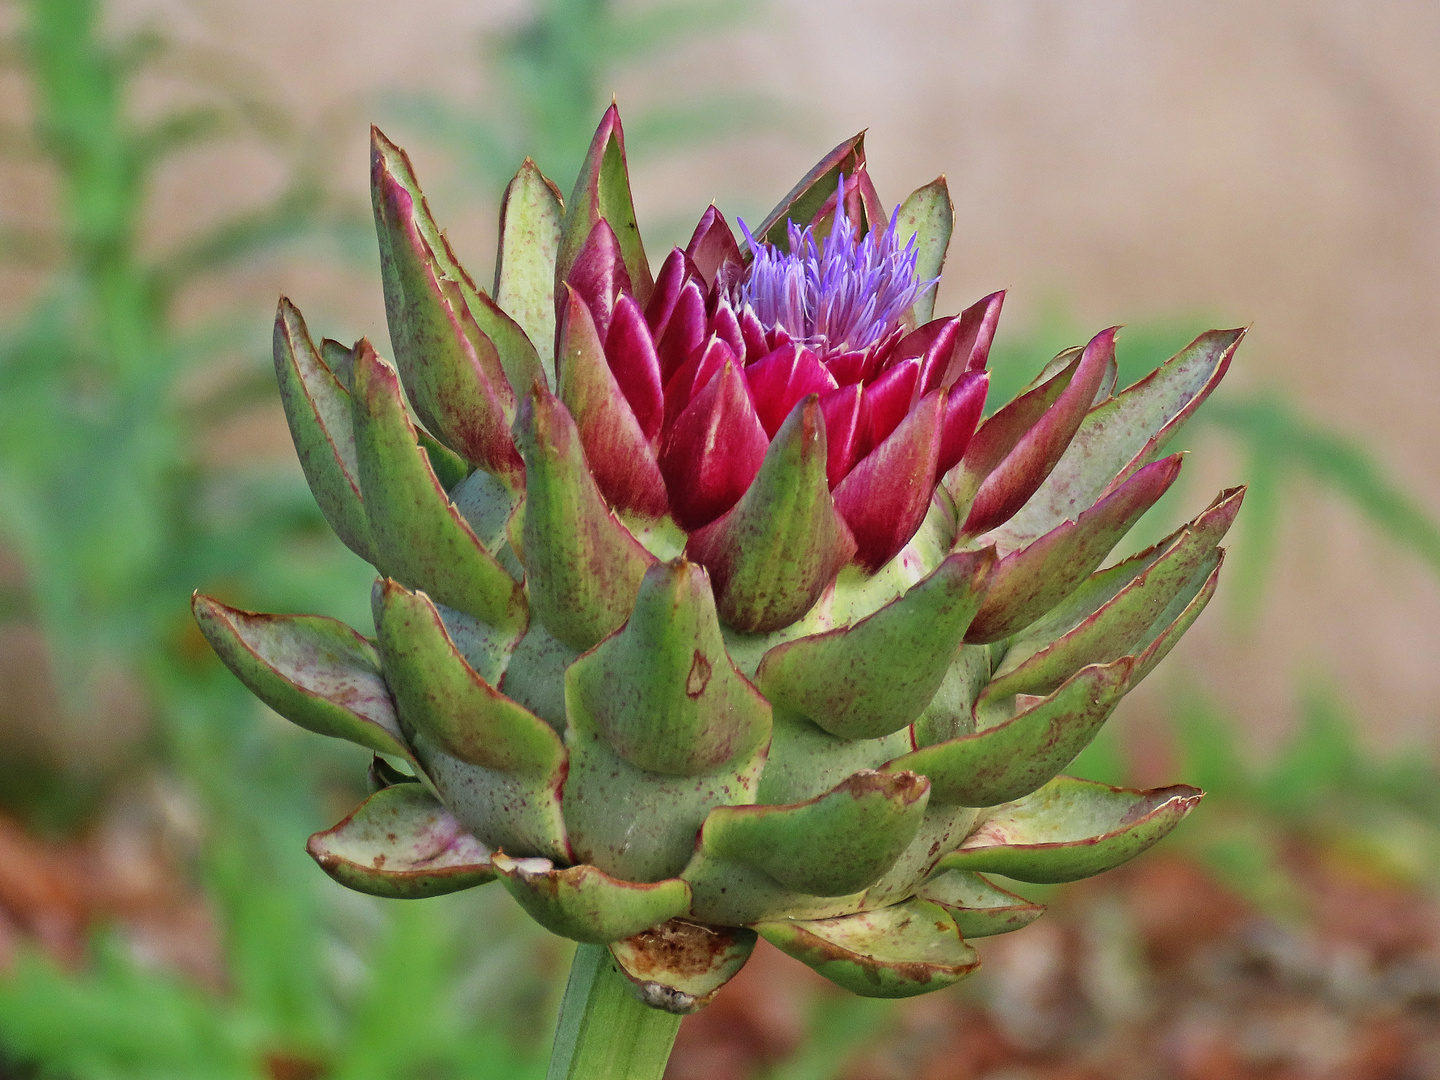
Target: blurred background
[169,166]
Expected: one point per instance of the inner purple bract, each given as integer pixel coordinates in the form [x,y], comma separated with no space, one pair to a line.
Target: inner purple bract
[842,293]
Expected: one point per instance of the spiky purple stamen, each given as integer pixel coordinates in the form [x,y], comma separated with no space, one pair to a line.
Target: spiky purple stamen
[834,295]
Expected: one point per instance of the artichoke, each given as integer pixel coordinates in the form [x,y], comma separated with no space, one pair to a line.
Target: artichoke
[708,604]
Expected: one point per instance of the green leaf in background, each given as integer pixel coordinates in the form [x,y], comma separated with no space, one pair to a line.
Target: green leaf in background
[1284,446]
[118,1020]
[840,1027]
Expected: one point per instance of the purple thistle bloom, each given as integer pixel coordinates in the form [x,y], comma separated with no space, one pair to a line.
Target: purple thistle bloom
[838,294]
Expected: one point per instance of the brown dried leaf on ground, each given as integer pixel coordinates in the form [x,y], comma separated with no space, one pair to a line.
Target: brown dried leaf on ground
[56,892]
[1158,972]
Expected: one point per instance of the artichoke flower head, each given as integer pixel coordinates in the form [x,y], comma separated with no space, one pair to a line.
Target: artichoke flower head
[708,606]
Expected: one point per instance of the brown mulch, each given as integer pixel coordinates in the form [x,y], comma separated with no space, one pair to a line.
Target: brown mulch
[1157,971]
[55,893]
[1153,972]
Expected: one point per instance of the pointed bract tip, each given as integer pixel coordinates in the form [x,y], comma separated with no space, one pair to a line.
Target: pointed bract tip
[1167,467]
[370,367]
[288,317]
[381,144]
[679,576]
[610,125]
[539,409]
[389,159]
[1184,795]
[1224,507]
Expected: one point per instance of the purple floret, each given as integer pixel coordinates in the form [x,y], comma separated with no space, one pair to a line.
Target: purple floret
[838,294]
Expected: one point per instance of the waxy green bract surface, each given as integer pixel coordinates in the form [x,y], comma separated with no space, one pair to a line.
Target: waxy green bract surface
[786,719]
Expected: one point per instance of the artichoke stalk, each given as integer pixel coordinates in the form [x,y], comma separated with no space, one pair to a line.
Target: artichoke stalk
[709,607]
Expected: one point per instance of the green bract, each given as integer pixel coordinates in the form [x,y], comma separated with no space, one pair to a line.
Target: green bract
[693,626]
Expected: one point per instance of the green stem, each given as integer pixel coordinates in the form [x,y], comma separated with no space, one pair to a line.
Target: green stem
[605,1032]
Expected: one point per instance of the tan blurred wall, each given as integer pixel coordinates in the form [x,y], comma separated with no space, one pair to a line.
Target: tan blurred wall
[1275,164]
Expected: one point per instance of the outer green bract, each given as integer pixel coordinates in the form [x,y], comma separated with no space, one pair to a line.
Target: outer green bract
[693,626]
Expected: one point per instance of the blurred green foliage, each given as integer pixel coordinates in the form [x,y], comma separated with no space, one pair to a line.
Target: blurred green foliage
[1379,814]
[409,1017]
[115,514]
[105,497]
[840,1027]
[1283,446]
